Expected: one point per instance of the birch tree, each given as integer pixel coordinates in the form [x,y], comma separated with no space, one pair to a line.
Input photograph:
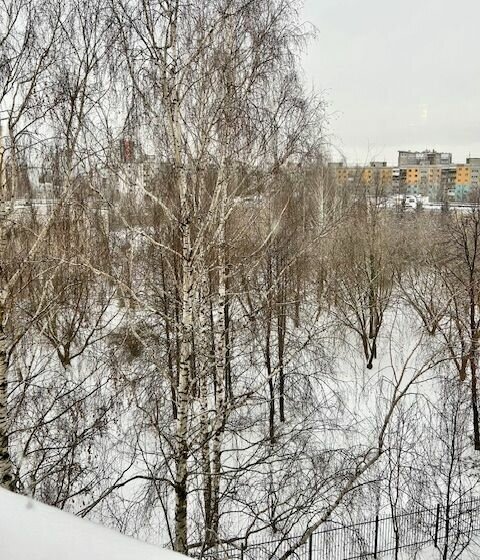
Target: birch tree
[460,327]
[35,90]
[367,264]
[209,66]
[25,56]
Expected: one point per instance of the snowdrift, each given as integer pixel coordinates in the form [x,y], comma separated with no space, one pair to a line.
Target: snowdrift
[30,530]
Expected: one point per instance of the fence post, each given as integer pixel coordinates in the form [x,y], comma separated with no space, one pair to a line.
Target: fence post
[242,550]
[310,547]
[437,523]
[375,549]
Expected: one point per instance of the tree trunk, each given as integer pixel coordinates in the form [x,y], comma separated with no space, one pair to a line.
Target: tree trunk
[474,399]
[204,372]
[168,339]
[281,326]
[473,363]
[184,375]
[181,458]
[6,470]
[220,361]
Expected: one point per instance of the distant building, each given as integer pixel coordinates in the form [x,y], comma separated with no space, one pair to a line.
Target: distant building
[429,173]
[377,174]
[127,150]
[459,182]
[409,158]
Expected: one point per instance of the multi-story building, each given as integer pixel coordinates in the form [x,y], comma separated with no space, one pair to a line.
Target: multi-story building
[474,164]
[428,173]
[377,174]
[338,173]
[412,159]
[434,174]
[381,174]
[422,173]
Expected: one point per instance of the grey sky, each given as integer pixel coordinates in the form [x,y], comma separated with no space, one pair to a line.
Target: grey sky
[397,75]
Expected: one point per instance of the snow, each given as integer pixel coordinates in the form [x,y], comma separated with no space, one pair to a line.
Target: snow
[30,530]
[472,552]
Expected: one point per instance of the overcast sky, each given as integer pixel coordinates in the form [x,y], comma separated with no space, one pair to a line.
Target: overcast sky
[397,75]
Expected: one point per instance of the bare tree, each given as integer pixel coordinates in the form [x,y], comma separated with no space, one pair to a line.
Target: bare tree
[365,260]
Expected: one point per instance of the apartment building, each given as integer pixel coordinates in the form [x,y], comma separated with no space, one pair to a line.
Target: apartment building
[427,157]
[428,173]
[376,174]
[434,174]
[424,173]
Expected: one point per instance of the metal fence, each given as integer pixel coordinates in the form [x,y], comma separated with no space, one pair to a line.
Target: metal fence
[453,526]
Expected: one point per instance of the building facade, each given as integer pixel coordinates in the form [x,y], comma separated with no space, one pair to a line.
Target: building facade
[377,174]
[429,174]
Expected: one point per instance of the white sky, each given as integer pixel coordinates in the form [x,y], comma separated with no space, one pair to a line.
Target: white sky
[397,75]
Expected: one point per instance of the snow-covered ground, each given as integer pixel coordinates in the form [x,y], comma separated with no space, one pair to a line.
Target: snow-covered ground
[472,552]
[30,530]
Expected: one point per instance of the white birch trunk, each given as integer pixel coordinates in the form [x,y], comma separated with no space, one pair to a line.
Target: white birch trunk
[186,293]
[184,377]
[220,360]
[203,372]
[6,470]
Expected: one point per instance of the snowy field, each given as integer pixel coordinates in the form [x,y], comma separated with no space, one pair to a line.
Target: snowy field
[352,404]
